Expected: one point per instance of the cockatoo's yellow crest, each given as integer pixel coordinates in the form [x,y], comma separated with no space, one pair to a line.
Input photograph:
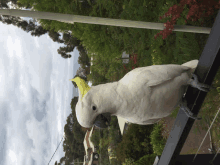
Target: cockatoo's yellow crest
[82,85]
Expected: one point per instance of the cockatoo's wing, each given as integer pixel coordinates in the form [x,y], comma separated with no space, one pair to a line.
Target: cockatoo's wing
[158,74]
[152,92]
[153,75]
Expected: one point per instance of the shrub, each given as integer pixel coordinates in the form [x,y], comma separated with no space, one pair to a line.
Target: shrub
[95,138]
[146,160]
[135,143]
[128,161]
[196,11]
[157,141]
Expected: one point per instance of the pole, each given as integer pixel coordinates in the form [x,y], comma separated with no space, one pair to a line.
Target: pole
[68,18]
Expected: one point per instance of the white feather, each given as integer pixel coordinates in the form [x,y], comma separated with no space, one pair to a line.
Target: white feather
[143,96]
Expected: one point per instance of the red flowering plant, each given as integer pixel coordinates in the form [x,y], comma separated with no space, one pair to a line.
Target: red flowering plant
[197,10]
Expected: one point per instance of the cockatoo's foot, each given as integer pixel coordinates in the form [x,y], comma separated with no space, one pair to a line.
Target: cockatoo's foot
[196,84]
[183,106]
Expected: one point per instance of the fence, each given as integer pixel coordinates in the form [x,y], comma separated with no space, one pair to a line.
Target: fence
[206,71]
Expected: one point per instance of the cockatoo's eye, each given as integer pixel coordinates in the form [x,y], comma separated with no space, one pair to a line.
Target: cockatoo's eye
[93,108]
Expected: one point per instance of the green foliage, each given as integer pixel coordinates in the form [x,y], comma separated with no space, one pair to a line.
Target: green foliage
[146,160]
[128,161]
[104,143]
[96,78]
[174,113]
[78,134]
[131,144]
[115,162]
[64,6]
[72,144]
[74,102]
[186,47]
[157,140]
[108,42]
[114,131]
[83,59]
[95,138]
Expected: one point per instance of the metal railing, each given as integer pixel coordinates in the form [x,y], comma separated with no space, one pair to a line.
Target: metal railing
[206,70]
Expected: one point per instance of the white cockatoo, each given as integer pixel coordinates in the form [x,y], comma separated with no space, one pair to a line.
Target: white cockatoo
[143,96]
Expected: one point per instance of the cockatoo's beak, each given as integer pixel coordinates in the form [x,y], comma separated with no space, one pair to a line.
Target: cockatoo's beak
[103,120]
[82,85]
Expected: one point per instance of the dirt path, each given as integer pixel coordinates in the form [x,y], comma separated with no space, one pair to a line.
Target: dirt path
[193,140]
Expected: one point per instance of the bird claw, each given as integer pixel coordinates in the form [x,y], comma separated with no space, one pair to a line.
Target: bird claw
[183,106]
[196,84]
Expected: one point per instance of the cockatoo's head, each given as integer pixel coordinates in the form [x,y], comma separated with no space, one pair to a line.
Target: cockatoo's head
[89,110]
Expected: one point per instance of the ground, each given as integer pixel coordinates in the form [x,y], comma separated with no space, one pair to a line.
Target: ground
[193,140]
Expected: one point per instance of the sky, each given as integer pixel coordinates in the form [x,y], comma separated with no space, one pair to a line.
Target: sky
[35,97]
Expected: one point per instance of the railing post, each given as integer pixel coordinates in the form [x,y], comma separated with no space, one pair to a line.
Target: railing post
[187,159]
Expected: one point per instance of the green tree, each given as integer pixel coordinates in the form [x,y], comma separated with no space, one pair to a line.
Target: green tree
[55,36]
[135,142]
[38,31]
[63,51]
[71,146]
[62,159]
[4,4]
[74,102]
[70,41]
[95,138]
[64,6]
[78,134]
[83,59]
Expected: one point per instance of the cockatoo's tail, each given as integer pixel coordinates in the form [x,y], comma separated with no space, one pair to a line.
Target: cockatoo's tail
[82,85]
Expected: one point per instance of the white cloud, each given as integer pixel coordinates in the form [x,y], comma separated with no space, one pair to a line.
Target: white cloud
[38,134]
[35,97]
[2,79]
[13,157]
[59,125]
[37,41]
